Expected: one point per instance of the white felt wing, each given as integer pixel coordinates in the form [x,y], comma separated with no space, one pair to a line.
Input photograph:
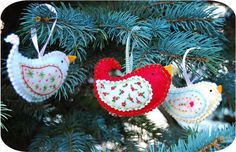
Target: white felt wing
[131,94]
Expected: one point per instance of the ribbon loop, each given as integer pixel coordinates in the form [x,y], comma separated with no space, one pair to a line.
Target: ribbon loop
[34,32]
[128,55]
[185,74]
[35,39]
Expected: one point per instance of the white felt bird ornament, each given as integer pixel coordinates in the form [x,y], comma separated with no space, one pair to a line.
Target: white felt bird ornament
[36,79]
[193,103]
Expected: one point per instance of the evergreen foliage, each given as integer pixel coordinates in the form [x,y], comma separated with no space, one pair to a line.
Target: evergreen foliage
[213,140]
[4,114]
[73,119]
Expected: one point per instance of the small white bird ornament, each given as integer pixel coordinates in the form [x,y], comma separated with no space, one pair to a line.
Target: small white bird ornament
[193,103]
[36,79]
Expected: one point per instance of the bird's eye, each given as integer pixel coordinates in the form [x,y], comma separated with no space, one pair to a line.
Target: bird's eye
[61,61]
[152,73]
[210,90]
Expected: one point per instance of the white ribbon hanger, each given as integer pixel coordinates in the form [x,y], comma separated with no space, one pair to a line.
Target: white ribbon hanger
[34,32]
[128,55]
[185,74]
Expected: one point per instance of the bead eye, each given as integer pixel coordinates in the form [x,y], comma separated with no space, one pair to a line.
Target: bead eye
[61,61]
[210,90]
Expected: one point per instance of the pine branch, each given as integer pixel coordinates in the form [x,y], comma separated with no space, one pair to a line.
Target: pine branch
[159,3]
[195,16]
[78,29]
[144,123]
[79,130]
[4,115]
[118,25]
[205,138]
[156,9]
[65,136]
[173,46]
[159,27]
[213,144]
[144,57]
[69,141]
[18,105]
[189,19]
[201,141]
[199,59]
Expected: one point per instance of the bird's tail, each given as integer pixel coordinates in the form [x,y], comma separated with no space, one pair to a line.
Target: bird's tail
[13,39]
[104,66]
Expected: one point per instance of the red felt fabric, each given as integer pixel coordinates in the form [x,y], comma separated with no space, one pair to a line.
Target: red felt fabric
[155,74]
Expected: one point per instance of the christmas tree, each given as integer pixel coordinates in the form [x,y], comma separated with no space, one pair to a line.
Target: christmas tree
[73,120]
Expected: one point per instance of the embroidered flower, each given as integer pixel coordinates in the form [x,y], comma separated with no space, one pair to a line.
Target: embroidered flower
[125,85]
[141,94]
[123,104]
[115,98]
[121,92]
[102,86]
[113,87]
[137,101]
[105,93]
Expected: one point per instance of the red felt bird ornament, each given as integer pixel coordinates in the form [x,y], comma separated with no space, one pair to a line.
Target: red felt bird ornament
[133,94]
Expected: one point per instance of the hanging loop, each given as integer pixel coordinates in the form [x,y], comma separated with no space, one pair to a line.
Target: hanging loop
[128,55]
[185,74]
[34,32]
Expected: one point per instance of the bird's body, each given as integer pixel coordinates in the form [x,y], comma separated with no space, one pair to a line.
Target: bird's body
[36,79]
[193,103]
[133,94]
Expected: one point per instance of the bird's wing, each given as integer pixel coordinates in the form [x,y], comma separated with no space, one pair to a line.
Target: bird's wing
[125,95]
[43,80]
[29,79]
[186,105]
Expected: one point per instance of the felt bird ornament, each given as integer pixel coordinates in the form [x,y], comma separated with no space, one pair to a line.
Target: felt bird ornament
[36,79]
[193,103]
[134,93]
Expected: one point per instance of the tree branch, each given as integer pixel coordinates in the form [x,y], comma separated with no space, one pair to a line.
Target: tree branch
[188,19]
[200,59]
[117,27]
[213,144]
[157,4]
[142,59]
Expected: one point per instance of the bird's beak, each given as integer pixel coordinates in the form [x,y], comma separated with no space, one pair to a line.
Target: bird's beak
[71,58]
[219,88]
[169,69]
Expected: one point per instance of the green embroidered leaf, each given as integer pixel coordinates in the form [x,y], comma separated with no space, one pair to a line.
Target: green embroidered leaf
[30,73]
[52,78]
[36,86]
[41,75]
[45,88]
